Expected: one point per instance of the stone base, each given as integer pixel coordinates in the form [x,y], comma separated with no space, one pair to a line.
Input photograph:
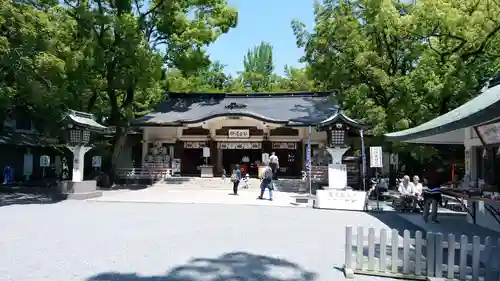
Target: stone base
[207,171]
[80,190]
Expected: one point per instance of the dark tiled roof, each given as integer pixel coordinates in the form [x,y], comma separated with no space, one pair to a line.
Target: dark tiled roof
[83,119]
[288,108]
[25,139]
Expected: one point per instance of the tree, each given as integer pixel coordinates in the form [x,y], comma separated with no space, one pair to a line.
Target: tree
[258,67]
[120,38]
[397,65]
[33,51]
[297,79]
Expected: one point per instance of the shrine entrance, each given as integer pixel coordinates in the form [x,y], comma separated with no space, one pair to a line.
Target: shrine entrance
[289,156]
[246,154]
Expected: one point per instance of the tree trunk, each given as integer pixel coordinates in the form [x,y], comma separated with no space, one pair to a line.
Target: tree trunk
[119,142]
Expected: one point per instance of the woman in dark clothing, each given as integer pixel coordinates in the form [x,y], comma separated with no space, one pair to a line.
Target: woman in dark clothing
[236,179]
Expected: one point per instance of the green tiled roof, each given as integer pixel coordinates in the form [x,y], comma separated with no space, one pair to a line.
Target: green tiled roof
[481,109]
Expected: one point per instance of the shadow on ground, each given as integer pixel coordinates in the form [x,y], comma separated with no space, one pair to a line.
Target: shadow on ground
[239,266]
[32,193]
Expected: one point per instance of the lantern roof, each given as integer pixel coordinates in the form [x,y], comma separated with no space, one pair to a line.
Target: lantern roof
[340,120]
[82,120]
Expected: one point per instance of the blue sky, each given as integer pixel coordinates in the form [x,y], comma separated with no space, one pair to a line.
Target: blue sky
[263,20]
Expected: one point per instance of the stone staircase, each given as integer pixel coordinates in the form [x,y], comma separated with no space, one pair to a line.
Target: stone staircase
[283,185]
[291,185]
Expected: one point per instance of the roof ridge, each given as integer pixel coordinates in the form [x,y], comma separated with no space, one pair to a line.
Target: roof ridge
[246,95]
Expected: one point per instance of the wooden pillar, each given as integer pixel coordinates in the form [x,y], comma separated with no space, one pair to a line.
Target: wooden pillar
[267,146]
[219,164]
[179,152]
[213,156]
[299,159]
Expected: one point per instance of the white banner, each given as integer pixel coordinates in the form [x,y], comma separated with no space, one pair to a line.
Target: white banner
[376,157]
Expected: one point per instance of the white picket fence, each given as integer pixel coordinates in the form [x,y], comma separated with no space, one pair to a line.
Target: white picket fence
[420,257]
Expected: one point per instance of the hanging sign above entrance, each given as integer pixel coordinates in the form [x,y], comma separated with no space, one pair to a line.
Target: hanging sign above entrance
[194,144]
[284,145]
[239,134]
[240,145]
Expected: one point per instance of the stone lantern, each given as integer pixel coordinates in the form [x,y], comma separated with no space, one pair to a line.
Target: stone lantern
[78,127]
[337,128]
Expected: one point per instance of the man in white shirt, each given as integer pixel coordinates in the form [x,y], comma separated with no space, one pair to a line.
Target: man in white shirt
[406,190]
[274,163]
[406,187]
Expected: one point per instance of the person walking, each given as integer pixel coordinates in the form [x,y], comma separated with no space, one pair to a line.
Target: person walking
[432,197]
[235,178]
[266,183]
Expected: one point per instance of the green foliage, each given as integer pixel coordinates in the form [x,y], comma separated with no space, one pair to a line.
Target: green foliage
[32,54]
[258,67]
[396,65]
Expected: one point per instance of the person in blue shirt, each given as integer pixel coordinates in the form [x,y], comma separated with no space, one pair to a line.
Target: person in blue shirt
[236,177]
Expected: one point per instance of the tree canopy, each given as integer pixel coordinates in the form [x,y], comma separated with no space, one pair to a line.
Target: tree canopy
[398,65]
[393,65]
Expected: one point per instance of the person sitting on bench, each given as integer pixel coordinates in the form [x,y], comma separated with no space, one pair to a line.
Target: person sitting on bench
[406,191]
[418,190]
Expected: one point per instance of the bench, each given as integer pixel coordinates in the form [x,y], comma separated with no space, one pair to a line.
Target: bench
[138,175]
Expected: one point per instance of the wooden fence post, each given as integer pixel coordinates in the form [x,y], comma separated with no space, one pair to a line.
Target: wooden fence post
[371,249]
[438,255]
[476,255]
[394,251]
[349,273]
[418,252]
[383,251]
[406,251]
[451,257]
[359,248]
[429,253]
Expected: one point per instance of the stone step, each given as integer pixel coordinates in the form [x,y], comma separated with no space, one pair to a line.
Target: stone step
[284,185]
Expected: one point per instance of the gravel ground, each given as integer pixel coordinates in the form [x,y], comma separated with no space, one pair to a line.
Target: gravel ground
[96,241]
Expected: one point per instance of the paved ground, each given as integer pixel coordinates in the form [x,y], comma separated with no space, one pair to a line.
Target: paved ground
[160,194]
[96,241]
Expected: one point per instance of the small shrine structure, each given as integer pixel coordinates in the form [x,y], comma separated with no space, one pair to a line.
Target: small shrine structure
[78,128]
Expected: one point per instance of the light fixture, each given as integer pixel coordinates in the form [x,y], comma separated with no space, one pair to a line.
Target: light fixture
[485,153]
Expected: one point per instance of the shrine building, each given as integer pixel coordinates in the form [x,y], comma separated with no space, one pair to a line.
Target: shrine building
[199,134]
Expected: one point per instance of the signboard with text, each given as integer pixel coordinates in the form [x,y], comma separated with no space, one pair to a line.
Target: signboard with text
[44,161]
[376,157]
[239,134]
[489,133]
[340,200]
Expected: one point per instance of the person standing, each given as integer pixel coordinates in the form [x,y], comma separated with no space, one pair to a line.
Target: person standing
[236,178]
[274,164]
[432,197]
[267,183]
